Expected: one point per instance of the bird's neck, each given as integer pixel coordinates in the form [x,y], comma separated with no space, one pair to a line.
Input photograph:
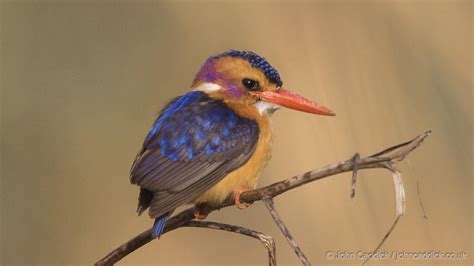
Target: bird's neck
[250,112]
[263,120]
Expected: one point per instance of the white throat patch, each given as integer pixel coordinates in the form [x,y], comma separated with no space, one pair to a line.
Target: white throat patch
[208,87]
[266,107]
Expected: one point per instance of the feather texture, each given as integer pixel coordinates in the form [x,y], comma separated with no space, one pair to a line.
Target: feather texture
[194,143]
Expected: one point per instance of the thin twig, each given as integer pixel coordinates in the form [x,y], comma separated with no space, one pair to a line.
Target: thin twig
[398,152]
[399,204]
[355,160]
[418,193]
[391,155]
[266,240]
[383,239]
[419,200]
[271,208]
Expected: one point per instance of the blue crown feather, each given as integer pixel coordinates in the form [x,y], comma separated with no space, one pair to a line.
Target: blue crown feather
[258,62]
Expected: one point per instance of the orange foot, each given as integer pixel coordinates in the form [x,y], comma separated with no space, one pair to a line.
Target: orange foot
[237,194]
[198,214]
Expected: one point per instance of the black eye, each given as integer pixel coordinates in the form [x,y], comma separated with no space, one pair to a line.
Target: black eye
[251,84]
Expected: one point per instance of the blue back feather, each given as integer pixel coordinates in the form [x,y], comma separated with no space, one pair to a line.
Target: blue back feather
[173,107]
[193,125]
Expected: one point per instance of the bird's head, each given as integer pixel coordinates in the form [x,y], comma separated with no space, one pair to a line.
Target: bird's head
[245,79]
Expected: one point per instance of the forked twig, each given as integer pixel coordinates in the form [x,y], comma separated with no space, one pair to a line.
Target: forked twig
[271,208]
[266,240]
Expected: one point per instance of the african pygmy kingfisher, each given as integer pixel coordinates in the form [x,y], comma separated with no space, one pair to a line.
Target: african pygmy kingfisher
[214,141]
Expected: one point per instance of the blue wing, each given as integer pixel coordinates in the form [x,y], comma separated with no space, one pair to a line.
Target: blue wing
[193,144]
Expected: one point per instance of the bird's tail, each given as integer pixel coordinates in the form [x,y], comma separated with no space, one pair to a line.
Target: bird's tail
[144,200]
[159,225]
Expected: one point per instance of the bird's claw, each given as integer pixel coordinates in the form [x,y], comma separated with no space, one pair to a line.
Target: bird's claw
[198,214]
[237,202]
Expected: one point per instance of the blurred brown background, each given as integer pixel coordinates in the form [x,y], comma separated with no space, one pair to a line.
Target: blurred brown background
[81,83]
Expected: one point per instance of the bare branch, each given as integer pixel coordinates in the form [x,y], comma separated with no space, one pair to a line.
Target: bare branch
[271,208]
[266,240]
[144,238]
[391,156]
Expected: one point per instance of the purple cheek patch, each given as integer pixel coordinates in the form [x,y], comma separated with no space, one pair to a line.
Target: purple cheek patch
[209,77]
[234,91]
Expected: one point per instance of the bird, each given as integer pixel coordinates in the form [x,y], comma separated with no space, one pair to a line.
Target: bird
[213,142]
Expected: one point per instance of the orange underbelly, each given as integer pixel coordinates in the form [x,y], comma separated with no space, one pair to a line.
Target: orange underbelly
[246,176]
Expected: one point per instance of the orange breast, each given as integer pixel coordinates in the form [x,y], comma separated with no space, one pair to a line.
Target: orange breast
[246,176]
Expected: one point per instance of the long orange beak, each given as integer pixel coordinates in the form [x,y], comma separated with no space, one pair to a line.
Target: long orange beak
[286,98]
